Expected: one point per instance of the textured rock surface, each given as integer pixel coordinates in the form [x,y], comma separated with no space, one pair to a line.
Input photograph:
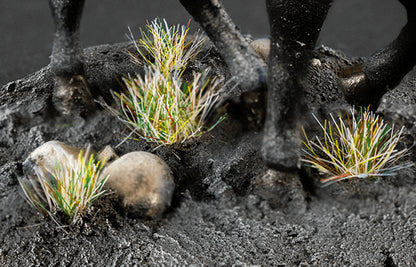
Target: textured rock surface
[143,181]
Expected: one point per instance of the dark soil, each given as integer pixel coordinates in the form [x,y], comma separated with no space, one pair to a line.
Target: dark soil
[228,207]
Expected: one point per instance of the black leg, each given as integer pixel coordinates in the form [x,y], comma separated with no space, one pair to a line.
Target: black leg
[366,83]
[244,64]
[71,95]
[295,26]
[66,52]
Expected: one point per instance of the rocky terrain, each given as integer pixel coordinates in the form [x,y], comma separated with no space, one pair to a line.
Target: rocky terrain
[228,207]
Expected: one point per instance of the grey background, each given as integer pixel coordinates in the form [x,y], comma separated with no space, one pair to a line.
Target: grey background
[357,27]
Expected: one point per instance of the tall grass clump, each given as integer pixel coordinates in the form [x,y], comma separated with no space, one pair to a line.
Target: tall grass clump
[360,147]
[69,188]
[162,106]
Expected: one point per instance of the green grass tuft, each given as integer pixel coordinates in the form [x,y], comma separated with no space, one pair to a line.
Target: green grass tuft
[362,147]
[161,106]
[70,188]
[167,48]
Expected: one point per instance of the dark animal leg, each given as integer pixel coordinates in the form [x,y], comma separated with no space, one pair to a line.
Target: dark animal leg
[366,83]
[66,54]
[71,95]
[244,64]
[295,26]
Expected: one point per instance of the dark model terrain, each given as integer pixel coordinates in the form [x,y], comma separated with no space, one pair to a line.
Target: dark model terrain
[230,207]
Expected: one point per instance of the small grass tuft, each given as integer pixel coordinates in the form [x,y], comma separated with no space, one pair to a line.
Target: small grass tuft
[162,107]
[363,147]
[167,48]
[70,188]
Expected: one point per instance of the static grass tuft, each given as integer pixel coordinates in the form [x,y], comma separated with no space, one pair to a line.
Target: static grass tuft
[162,107]
[167,48]
[69,188]
[362,147]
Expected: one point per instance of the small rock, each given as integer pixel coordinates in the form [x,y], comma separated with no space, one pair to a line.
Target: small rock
[107,155]
[44,158]
[144,183]
[315,62]
[261,47]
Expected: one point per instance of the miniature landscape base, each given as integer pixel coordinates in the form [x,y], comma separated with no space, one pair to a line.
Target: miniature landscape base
[228,208]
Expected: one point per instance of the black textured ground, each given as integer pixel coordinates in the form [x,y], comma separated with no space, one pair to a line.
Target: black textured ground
[228,208]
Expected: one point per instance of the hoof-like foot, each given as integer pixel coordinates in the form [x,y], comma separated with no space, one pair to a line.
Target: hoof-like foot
[282,152]
[282,190]
[72,96]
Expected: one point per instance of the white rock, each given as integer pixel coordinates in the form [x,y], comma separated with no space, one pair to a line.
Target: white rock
[44,158]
